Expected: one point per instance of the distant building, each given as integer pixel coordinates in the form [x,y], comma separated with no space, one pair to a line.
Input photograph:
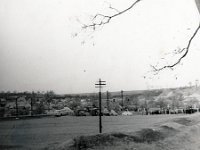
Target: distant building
[22,105]
[2,102]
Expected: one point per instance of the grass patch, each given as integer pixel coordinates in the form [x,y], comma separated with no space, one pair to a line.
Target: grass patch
[147,136]
[184,121]
[10,147]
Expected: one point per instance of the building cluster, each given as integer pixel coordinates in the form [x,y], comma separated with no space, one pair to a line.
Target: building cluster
[172,101]
[41,104]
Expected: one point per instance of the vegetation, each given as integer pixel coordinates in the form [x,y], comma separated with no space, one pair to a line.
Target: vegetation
[179,133]
[142,102]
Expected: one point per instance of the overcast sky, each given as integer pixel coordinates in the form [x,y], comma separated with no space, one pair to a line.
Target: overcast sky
[38,50]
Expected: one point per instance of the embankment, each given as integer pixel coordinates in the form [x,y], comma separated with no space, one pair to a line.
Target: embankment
[181,133]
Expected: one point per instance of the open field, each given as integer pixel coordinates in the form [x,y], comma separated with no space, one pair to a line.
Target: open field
[181,133]
[42,132]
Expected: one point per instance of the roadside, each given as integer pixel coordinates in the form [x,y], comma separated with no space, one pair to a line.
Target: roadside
[24,117]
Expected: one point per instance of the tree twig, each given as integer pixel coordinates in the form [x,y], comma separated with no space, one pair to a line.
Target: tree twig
[105,19]
[183,50]
[101,19]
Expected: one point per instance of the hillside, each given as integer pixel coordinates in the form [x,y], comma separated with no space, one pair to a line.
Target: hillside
[174,134]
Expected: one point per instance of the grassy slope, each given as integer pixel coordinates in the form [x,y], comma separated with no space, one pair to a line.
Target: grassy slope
[181,133]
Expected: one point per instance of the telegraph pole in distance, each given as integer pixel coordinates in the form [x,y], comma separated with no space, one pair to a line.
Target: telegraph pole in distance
[16,103]
[99,85]
[122,98]
[108,102]
[32,98]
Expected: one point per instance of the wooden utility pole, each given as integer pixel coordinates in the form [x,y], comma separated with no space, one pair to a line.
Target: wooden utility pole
[99,85]
[16,106]
[108,102]
[122,98]
[33,97]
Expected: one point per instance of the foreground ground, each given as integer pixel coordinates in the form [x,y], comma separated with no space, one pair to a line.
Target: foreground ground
[181,133]
[53,132]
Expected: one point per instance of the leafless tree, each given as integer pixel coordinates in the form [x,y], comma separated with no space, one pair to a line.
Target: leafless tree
[100,20]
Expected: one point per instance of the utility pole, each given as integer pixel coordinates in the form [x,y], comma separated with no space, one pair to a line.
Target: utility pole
[108,102]
[122,98]
[33,97]
[99,85]
[196,83]
[16,106]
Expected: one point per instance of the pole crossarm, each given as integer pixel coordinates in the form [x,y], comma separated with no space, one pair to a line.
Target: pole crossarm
[99,85]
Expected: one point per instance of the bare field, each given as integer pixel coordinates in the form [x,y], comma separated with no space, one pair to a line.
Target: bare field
[43,132]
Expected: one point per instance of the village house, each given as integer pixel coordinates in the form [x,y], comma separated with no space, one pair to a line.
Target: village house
[17,104]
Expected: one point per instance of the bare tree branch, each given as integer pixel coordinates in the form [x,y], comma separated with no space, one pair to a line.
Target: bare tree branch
[105,19]
[183,50]
[198,4]
[114,9]
[101,19]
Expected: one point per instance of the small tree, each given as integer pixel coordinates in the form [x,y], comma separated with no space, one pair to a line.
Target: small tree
[162,103]
[135,102]
[48,97]
[39,108]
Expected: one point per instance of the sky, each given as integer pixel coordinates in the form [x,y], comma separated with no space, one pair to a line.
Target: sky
[43,47]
